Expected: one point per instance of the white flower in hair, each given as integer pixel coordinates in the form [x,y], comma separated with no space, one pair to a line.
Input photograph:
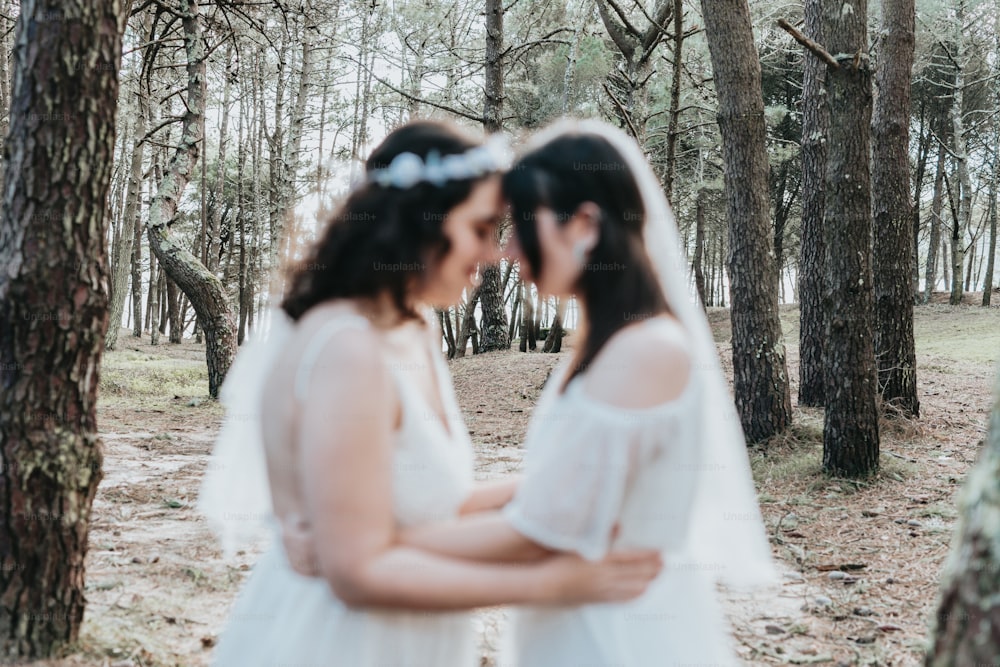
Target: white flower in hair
[407,169]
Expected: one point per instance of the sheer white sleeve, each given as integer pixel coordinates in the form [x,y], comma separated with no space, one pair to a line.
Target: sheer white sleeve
[574,487]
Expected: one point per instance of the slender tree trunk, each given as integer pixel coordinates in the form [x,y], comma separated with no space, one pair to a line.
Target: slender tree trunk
[850,429]
[174,313]
[468,325]
[125,258]
[892,214]
[930,275]
[967,623]
[529,331]
[677,72]
[219,187]
[53,312]
[812,271]
[991,248]
[961,151]
[760,376]
[201,286]
[155,307]
[697,261]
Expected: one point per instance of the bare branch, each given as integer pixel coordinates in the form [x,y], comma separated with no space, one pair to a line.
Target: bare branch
[817,50]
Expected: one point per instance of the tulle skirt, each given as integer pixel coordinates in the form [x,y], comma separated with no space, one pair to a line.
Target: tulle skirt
[282,619]
[676,622]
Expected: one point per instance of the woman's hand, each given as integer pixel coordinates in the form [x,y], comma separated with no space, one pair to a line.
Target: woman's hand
[621,576]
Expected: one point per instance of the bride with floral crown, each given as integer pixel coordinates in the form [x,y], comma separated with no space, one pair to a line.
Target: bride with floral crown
[343,431]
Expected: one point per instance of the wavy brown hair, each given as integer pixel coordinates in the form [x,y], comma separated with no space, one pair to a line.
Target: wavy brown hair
[618,285]
[382,238]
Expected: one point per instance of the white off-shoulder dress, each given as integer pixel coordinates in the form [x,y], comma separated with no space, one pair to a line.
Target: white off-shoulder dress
[593,470]
[284,619]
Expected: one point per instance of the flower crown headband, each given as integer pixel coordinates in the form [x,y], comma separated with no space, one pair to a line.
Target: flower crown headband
[408,169]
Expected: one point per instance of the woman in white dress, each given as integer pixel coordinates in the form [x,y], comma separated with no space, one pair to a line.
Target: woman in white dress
[635,442]
[348,410]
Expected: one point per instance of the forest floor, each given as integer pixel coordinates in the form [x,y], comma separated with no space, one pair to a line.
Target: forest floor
[158,589]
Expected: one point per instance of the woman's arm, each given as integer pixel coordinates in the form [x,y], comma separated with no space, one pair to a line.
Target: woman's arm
[490,495]
[486,536]
[346,435]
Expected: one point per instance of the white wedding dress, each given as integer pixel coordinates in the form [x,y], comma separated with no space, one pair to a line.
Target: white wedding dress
[283,618]
[591,467]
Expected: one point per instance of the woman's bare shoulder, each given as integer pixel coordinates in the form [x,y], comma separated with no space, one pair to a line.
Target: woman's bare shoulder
[642,366]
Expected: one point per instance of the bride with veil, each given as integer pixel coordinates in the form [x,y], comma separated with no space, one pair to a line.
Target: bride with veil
[343,431]
[635,442]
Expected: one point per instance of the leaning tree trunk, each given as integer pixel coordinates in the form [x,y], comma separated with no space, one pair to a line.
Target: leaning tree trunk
[850,429]
[815,126]
[202,288]
[53,312]
[893,217]
[494,318]
[760,375]
[967,624]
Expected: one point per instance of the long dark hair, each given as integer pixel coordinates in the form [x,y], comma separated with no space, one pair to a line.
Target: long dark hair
[618,284]
[381,238]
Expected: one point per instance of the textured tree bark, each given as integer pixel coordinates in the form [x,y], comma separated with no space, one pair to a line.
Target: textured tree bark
[493,328]
[850,429]
[201,286]
[892,214]
[815,126]
[761,383]
[677,72]
[53,312]
[967,623]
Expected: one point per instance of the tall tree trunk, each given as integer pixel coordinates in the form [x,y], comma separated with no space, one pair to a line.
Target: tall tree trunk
[219,187]
[760,374]
[201,286]
[125,258]
[850,429]
[494,315]
[934,243]
[284,164]
[991,248]
[961,153]
[967,623]
[812,272]
[677,72]
[53,312]
[892,215]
